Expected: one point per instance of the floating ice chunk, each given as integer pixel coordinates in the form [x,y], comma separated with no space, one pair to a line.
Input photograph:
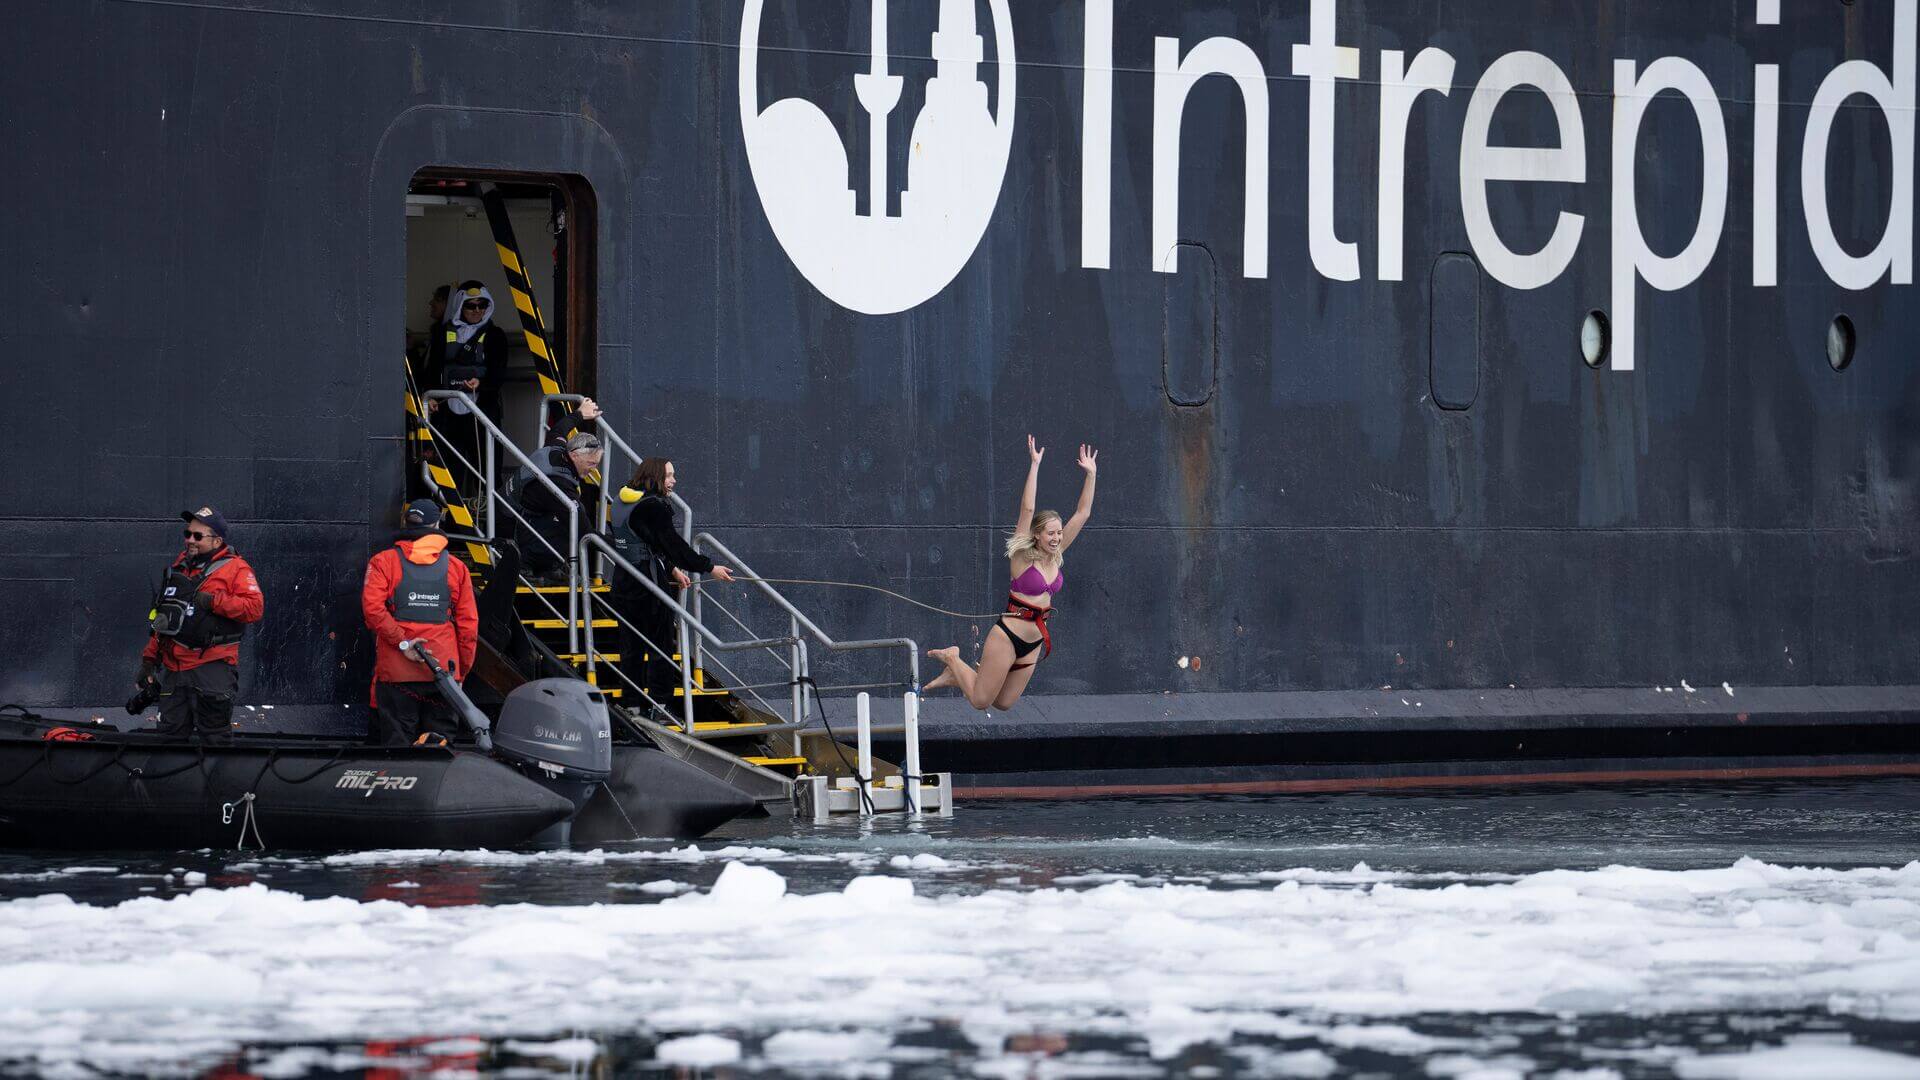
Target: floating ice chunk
[576,1050]
[663,886]
[539,940]
[823,1047]
[1306,1063]
[877,893]
[741,883]
[1728,687]
[1684,686]
[1469,1067]
[698,1051]
[182,980]
[1802,1058]
[450,1047]
[922,861]
[595,857]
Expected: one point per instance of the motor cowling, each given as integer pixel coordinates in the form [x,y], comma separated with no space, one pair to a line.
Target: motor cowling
[558,728]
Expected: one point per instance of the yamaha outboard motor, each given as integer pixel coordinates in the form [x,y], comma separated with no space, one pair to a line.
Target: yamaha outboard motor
[557,732]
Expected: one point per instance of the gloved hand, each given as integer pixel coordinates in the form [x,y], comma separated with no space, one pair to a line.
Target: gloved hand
[146,674]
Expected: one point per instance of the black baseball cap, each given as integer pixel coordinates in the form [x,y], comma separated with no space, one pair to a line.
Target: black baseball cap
[209,517]
[423,512]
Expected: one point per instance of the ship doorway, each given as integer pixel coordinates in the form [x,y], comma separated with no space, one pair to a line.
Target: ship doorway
[528,240]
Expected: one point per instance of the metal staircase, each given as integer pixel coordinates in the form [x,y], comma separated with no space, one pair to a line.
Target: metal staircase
[747,708]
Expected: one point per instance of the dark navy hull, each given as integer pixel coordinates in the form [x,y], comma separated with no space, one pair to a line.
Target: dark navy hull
[1313,482]
[1254,743]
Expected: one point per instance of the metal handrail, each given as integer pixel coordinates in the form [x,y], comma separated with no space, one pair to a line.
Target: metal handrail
[913,651]
[597,543]
[741,623]
[614,610]
[691,647]
[608,437]
[496,436]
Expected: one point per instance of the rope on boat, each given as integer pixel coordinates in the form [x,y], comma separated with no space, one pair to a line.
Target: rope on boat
[247,822]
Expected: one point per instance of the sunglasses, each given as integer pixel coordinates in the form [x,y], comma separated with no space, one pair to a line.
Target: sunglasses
[474,305]
[191,535]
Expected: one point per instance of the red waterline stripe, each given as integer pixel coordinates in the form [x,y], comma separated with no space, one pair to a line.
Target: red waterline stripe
[1275,787]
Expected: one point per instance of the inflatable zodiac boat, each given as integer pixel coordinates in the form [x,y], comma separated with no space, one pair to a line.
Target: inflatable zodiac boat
[547,773]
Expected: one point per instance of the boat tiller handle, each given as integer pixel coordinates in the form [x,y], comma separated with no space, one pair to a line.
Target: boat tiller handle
[476,720]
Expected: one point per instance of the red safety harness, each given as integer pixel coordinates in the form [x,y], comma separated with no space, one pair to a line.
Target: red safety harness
[1020,609]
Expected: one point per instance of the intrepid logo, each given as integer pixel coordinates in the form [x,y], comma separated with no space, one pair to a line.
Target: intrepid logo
[430,597]
[1407,91]
[370,781]
[876,263]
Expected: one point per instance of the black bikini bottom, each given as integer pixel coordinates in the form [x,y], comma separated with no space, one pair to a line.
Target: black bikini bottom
[1026,612]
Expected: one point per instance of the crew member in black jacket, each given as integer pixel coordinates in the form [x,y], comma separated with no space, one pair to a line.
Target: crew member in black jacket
[653,544]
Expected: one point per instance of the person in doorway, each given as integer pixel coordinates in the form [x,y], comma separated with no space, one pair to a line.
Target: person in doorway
[544,537]
[416,593]
[192,657]
[474,350]
[651,541]
[1036,552]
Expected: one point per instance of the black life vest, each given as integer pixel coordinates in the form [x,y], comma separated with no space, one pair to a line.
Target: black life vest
[552,462]
[462,361]
[178,615]
[422,595]
[632,547]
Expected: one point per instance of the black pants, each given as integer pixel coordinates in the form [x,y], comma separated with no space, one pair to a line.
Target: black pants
[658,675]
[198,703]
[541,558]
[404,711]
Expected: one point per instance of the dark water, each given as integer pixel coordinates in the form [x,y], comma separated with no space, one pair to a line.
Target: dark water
[1491,833]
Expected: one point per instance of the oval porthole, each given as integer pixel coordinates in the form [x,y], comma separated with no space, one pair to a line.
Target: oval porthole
[1840,342]
[1596,337]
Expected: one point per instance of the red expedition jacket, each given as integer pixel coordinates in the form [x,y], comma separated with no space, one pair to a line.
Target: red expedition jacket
[232,592]
[452,642]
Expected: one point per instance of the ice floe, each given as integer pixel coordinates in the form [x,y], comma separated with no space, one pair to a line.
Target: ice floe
[749,970]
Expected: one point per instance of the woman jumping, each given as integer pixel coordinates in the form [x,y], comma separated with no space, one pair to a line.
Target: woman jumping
[1034,551]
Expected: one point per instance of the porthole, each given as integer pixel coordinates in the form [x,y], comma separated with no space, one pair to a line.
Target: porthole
[1596,337]
[1840,342]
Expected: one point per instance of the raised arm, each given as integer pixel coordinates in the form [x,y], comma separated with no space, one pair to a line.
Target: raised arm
[1034,454]
[1088,461]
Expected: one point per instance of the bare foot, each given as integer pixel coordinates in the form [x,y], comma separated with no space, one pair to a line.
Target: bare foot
[947,657]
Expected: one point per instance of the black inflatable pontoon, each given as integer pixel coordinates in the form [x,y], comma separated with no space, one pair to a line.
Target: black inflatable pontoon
[552,776]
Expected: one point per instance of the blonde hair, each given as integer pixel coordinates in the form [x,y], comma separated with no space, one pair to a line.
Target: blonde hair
[1026,542]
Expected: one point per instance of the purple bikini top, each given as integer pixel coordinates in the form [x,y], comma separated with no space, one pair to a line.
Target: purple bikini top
[1032,582]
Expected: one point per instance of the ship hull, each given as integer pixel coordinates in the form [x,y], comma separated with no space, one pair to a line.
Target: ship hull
[1314,483]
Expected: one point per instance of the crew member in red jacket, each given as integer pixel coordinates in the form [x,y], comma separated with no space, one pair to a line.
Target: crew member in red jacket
[193,653]
[417,591]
